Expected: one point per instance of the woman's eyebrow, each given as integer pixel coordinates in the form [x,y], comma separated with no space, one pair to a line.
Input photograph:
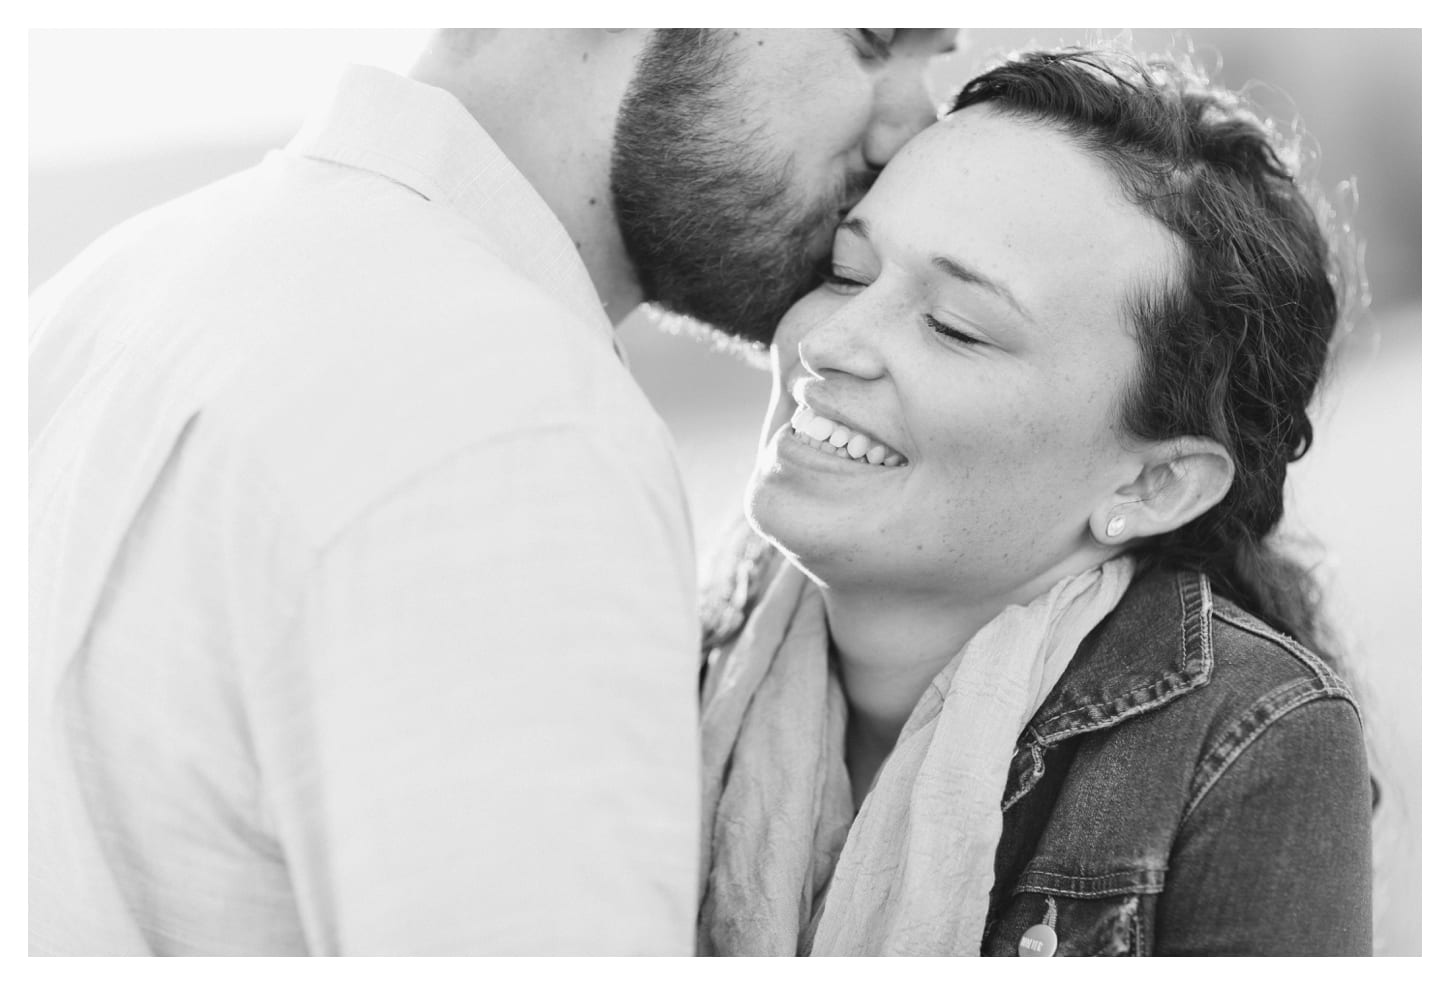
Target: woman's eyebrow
[953,268]
[963,273]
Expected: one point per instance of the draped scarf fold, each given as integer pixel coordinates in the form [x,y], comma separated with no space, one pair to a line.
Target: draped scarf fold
[786,868]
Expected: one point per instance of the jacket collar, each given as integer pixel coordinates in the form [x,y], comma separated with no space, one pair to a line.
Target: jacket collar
[424,139]
[1153,648]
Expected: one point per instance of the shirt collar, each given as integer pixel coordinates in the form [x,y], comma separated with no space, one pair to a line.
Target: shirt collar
[423,138]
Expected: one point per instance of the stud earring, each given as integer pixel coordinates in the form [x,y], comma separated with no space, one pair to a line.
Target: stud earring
[1116,525]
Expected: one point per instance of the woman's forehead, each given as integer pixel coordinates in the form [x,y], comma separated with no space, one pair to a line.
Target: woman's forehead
[1022,202]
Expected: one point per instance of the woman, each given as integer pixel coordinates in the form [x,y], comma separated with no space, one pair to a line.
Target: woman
[1019,673]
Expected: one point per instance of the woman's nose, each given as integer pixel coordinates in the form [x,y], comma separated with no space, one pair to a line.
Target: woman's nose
[844,343]
[903,108]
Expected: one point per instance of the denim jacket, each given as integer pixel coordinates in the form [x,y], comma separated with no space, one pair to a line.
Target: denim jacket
[1196,783]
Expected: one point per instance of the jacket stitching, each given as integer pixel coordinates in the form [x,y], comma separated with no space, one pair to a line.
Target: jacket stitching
[1332,683]
[1121,883]
[1029,781]
[1182,629]
[1144,699]
[1205,625]
[1278,703]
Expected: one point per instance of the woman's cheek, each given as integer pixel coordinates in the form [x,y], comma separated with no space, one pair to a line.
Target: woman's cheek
[796,325]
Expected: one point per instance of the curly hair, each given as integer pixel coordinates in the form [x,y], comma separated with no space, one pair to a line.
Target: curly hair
[1234,346]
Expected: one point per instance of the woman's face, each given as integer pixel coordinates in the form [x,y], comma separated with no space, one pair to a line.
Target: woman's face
[975,334]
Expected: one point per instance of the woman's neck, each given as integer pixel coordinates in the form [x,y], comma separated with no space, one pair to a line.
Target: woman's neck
[888,650]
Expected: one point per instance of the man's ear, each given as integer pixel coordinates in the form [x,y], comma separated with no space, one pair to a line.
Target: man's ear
[1180,480]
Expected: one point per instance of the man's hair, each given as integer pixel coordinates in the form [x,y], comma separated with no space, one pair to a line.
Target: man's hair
[1234,344]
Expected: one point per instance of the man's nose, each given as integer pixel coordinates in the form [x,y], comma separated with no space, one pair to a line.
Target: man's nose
[903,109]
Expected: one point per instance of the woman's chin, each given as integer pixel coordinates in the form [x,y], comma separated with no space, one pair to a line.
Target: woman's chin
[774,515]
[761,504]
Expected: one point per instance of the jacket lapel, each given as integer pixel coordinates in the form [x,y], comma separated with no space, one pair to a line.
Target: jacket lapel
[1153,648]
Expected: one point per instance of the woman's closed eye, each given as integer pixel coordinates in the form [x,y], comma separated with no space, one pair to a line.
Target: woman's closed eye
[956,335]
[843,279]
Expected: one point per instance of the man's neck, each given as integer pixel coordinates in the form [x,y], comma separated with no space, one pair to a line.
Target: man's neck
[549,99]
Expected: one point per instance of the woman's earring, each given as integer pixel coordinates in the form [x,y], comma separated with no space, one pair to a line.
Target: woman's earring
[1116,525]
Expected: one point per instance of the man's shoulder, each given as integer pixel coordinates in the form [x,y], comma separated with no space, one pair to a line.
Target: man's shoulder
[408,338]
[345,330]
[310,236]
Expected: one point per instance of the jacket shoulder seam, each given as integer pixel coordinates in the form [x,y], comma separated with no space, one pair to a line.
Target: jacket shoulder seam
[1288,644]
[1263,714]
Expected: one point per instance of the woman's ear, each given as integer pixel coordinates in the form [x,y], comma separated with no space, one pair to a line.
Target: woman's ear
[1180,480]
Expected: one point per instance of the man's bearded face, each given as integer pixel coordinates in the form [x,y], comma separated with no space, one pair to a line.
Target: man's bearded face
[708,206]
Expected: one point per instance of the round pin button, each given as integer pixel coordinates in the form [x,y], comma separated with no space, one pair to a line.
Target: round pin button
[1040,941]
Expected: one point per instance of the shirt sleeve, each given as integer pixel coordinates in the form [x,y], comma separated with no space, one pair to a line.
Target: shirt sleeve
[489,740]
[1275,856]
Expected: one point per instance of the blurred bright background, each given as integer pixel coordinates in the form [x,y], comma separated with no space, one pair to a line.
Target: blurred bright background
[121,120]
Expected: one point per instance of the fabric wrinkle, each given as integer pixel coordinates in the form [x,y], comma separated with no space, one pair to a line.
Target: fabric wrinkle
[915,871]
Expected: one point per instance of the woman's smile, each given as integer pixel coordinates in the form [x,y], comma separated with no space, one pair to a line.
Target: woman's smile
[799,449]
[988,355]
[842,440]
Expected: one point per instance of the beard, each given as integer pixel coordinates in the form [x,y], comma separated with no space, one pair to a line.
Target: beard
[709,212]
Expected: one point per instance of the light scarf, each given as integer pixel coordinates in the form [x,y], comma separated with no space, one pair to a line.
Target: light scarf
[785,868]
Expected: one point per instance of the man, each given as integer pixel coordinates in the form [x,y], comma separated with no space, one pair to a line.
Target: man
[362,601]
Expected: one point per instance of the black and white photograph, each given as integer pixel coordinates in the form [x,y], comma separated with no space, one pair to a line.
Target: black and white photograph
[708,492]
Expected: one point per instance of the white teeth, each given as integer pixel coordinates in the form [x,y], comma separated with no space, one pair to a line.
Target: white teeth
[820,428]
[826,435]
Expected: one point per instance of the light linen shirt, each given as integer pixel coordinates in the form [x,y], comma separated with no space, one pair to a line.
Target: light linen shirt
[362,591]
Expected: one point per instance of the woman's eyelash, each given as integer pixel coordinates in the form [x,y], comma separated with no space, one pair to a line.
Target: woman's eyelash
[835,278]
[828,273]
[951,333]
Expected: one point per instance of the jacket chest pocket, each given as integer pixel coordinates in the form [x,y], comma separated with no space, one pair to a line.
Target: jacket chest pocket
[1040,923]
